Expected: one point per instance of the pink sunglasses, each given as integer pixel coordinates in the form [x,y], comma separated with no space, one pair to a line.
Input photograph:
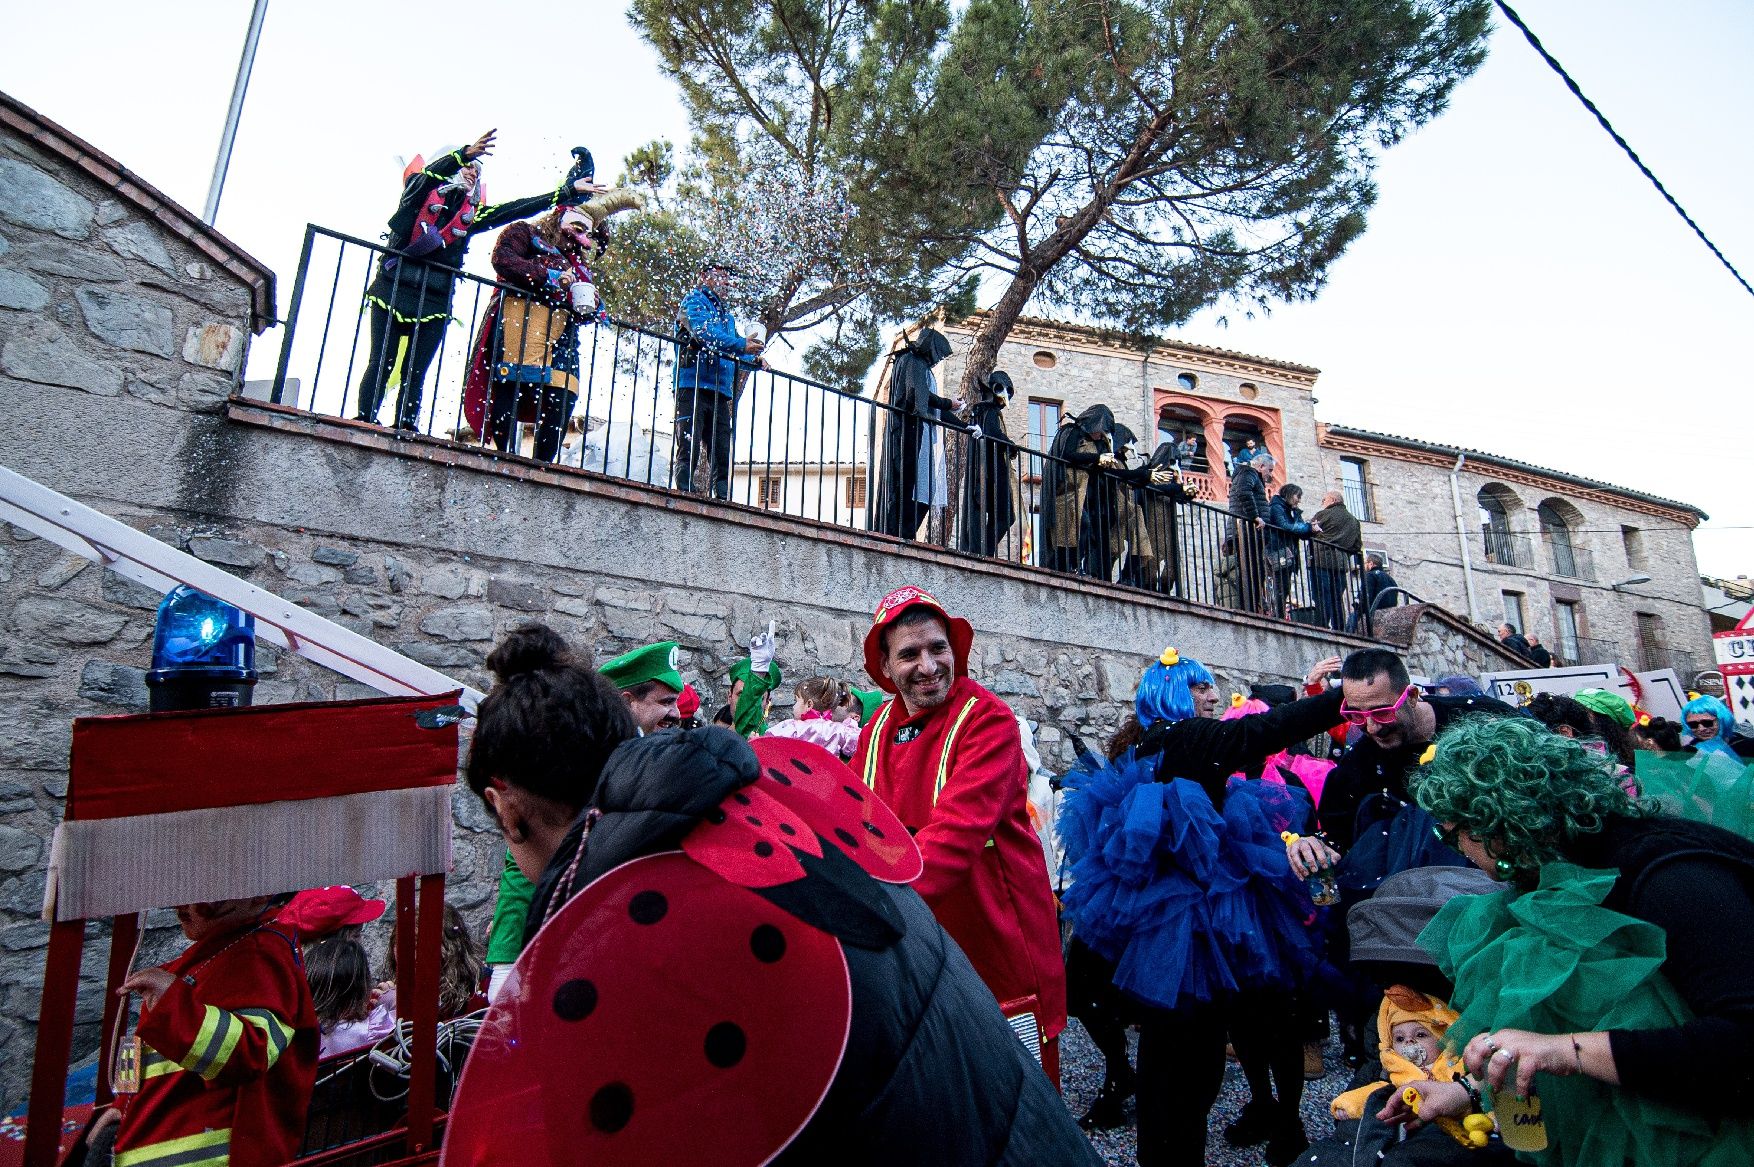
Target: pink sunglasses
[1382,714]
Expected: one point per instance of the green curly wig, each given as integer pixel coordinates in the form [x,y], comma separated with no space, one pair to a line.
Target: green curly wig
[1524,789]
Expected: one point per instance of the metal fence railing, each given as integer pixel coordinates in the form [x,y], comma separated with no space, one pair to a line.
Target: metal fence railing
[494,365]
[1507,548]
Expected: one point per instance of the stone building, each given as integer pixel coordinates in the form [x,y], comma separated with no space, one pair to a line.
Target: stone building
[1160,389]
[1601,573]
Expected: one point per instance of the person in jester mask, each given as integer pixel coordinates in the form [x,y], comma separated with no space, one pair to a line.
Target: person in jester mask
[525,366]
[726,963]
[442,208]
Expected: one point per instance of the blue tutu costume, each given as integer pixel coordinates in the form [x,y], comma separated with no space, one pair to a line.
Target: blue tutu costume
[1190,902]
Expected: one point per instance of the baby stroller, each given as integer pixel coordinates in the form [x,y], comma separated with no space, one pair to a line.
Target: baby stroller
[1384,931]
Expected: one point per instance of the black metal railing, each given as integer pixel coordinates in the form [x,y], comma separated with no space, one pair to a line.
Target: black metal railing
[508,368]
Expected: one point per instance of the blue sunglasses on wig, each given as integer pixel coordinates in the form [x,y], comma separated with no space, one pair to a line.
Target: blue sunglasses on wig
[1163,692]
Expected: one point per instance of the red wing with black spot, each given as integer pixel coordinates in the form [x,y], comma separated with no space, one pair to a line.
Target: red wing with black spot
[822,791]
[663,1016]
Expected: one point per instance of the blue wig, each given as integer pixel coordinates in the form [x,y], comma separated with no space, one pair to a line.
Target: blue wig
[1726,722]
[1163,692]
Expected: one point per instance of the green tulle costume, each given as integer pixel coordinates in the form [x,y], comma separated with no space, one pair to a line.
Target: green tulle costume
[1553,960]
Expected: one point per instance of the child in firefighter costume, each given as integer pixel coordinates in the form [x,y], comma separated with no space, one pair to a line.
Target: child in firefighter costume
[227,1046]
[525,366]
[443,207]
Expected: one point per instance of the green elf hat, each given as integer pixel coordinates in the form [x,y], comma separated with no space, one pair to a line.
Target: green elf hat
[870,701]
[654,662]
[1610,705]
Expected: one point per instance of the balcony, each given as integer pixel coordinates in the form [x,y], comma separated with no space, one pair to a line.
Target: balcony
[1507,549]
[1570,562]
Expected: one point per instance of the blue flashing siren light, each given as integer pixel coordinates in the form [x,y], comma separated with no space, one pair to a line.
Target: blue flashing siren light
[203,653]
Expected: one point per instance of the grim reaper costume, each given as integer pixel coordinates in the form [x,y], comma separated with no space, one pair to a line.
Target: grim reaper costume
[913,472]
[987,509]
[1067,500]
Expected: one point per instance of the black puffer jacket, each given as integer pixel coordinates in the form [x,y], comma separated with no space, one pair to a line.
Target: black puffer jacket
[932,1073]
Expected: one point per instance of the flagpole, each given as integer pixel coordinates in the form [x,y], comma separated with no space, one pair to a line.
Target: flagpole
[245,63]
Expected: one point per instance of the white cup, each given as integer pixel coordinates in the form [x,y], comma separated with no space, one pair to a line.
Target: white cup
[584,299]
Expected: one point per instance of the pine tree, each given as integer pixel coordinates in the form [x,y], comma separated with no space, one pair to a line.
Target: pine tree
[1216,152]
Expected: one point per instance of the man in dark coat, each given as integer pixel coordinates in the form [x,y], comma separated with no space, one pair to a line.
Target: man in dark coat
[1332,556]
[1377,580]
[1067,487]
[924,1027]
[410,297]
[1513,640]
[1249,508]
[987,510]
[913,473]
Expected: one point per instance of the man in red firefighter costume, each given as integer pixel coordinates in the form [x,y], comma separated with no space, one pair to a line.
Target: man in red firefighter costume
[946,755]
[228,1046]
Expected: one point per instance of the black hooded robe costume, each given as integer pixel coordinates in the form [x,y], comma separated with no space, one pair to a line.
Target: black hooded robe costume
[1155,560]
[987,510]
[1067,499]
[410,298]
[912,470]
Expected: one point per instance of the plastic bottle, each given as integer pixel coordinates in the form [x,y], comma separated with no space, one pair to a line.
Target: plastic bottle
[1323,891]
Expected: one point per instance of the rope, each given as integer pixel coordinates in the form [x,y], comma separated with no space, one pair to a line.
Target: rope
[1511,14]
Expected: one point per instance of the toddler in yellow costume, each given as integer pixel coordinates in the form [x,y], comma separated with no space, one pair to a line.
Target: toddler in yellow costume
[1410,1028]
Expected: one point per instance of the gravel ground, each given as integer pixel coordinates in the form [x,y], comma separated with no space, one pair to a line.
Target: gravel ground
[1081,1078]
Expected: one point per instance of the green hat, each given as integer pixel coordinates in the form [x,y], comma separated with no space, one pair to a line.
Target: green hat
[870,701]
[654,662]
[1607,704]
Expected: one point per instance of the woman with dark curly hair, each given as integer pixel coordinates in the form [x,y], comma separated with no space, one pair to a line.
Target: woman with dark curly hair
[1616,978]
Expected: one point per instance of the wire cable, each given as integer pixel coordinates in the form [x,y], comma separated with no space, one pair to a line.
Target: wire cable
[1511,15]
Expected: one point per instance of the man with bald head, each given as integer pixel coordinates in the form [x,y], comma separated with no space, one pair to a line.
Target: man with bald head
[1333,555]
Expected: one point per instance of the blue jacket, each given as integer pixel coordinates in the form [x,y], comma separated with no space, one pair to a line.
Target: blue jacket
[1285,524]
[709,362]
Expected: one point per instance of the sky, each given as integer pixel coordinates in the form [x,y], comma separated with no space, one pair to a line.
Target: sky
[1521,288]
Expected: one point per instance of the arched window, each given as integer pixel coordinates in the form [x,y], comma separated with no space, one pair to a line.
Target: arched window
[1503,545]
[1238,433]
[1559,520]
[1177,423]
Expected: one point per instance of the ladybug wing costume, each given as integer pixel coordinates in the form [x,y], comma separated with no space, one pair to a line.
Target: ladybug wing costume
[770,992]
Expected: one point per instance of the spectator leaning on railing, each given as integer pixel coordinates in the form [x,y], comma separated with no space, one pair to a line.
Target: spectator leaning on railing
[1332,557]
[1248,505]
[1285,527]
[707,360]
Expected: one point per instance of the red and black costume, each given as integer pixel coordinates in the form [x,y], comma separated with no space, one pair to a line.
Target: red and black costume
[410,297]
[728,966]
[535,377]
[956,777]
[228,1058]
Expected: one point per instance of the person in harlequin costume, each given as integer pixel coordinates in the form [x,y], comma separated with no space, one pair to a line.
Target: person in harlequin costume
[725,964]
[1182,885]
[525,366]
[947,756]
[228,1046]
[442,209]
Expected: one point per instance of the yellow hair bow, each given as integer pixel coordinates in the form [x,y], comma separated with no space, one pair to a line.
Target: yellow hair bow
[1430,753]
[1170,658]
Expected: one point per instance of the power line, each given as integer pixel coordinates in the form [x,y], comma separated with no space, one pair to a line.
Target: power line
[1511,14]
